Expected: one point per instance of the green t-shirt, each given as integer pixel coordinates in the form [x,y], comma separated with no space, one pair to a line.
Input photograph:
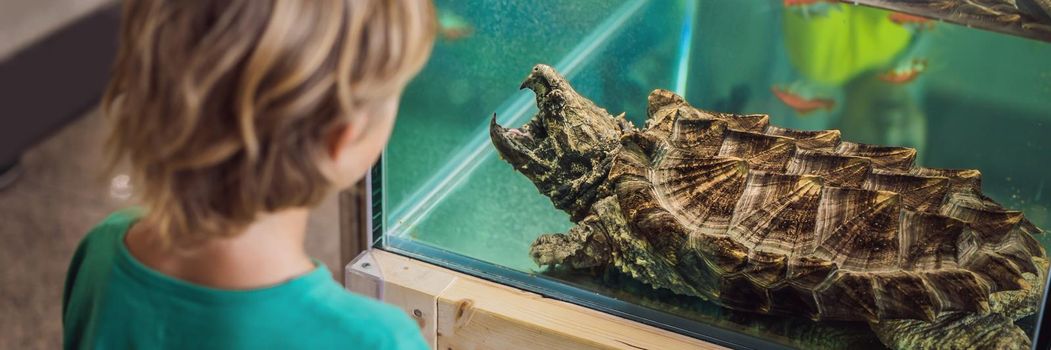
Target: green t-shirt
[113,301]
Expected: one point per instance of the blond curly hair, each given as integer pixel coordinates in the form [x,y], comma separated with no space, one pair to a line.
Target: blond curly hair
[222,107]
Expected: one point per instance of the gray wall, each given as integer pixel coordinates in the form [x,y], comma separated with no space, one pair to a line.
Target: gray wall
[24,21]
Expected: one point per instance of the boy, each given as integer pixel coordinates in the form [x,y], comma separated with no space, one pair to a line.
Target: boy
[237,116]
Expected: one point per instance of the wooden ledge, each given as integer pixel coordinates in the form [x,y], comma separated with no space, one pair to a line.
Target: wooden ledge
[457,311]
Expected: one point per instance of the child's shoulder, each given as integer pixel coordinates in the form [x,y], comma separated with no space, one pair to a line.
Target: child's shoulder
[373,323]
[105,238]
[113,227]
[96,253]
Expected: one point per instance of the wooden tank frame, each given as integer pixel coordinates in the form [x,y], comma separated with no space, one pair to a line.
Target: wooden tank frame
[458,311]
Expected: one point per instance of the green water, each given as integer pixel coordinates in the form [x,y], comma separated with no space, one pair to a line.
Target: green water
[983,102]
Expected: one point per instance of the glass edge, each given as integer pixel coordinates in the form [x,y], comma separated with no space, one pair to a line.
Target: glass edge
[1042,335]
[374,187]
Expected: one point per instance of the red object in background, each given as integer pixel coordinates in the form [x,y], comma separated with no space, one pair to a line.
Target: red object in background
[907,19]
[907,75]
[455,33]
[801,104]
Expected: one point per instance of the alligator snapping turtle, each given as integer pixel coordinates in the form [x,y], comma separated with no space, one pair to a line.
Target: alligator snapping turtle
[772,220]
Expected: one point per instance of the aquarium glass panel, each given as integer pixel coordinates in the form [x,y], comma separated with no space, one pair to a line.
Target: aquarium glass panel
[719,225]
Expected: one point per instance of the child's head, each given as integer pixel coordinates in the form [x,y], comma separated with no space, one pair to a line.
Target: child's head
[230,109]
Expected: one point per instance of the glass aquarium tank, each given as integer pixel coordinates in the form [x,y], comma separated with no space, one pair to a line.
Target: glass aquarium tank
[940,95]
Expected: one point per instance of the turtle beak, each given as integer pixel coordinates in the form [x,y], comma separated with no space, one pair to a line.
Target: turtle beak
[517,146]
[526,83]
[541,79]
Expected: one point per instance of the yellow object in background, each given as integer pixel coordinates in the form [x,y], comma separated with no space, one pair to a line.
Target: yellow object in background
[834,46]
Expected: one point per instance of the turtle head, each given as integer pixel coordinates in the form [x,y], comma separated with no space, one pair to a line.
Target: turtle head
[544,79]
[566,149]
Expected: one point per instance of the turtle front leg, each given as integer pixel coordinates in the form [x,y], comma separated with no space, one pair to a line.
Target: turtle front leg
[585,245]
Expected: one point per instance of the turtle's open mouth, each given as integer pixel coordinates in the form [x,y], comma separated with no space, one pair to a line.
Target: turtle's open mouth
[528,148]
[520,146]
[564,148]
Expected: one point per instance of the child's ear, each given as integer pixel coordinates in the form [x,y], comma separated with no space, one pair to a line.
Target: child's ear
[340,144]
[338,140]
[355,146]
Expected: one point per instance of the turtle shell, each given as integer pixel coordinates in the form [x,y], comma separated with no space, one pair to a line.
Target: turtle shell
[777,220]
